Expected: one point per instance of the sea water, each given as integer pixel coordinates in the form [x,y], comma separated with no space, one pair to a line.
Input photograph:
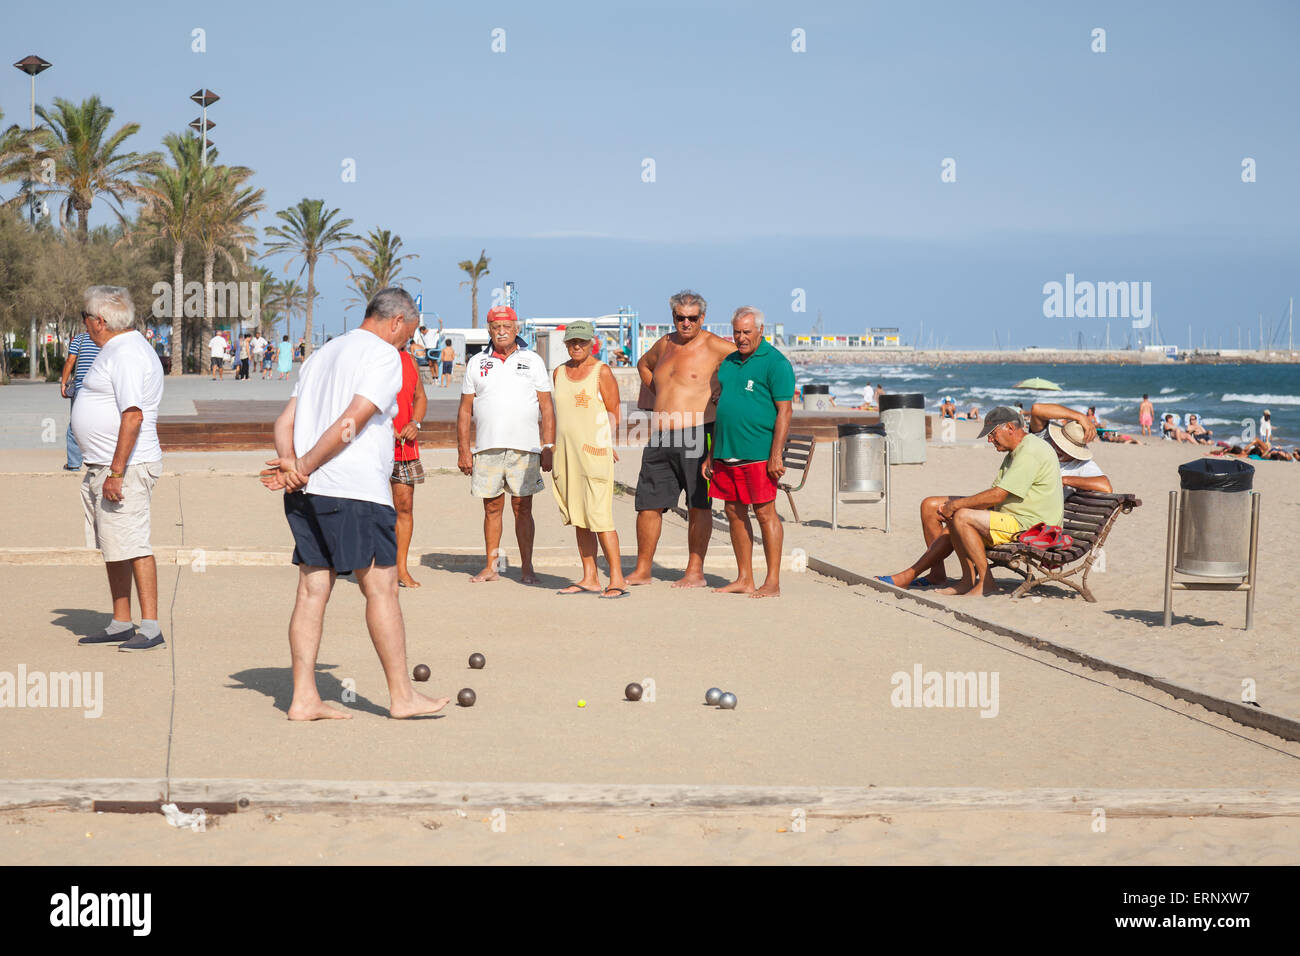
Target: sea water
[1222,395]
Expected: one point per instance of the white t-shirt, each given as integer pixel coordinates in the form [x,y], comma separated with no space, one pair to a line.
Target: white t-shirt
[217,347]
[259,345]
[1265,429]
[1074,468]
[420,339]
[359,363]
[868,395]
[505,398]
[125,374]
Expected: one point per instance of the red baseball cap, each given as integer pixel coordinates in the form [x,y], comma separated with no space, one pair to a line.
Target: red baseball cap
[502,313]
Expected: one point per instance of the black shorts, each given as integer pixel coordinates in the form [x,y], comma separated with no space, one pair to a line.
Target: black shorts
[341,533]
[446,368]
[670,465]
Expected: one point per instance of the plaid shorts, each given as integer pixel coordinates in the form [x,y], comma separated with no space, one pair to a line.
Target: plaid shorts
[408,472]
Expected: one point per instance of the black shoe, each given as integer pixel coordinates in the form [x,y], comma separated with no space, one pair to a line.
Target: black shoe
[103,637]
[71,468]
[141,643]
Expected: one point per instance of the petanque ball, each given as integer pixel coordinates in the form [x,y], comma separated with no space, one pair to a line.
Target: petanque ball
[632,691]
[712,695]
[466,698]
[421,672]
[477,661]
[727,701]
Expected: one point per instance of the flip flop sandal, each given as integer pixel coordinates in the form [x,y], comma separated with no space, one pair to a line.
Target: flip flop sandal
[567,593]
[1052,539]
[606,596]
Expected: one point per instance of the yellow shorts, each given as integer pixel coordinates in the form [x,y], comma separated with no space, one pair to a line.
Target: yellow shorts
[1002,527]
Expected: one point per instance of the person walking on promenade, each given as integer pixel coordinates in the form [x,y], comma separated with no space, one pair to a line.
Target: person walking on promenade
[755,405]
[407,469]
[586,420]
[505,389]
[448,360]
[81,355]
[679,371]
[115,420]
[217,349]
[285,358]
[334,447]
[245,356]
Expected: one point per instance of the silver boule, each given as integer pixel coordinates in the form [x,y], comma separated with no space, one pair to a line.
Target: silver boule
[727,701]
[712,695]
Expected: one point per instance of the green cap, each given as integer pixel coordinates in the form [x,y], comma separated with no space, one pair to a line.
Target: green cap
[579,330]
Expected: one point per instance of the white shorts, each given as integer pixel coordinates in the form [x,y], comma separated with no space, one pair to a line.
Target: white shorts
[120,529]
[497,470]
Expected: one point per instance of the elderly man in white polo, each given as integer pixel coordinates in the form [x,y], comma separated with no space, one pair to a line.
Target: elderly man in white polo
[506,389]
[115,423]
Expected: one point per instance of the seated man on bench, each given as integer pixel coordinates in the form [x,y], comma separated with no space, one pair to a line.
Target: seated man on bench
[1027,490]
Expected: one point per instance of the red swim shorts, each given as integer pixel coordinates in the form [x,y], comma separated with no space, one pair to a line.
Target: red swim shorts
[747,482]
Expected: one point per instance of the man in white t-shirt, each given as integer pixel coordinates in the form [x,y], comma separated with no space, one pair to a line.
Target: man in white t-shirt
[259,345]
[217,348]
[1079,472]
[115,421]
[506,387]
[334,442]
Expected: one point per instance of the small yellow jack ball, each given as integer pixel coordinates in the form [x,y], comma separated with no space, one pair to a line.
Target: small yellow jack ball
[582,703]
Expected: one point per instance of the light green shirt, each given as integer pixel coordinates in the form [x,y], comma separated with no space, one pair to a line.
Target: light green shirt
[1031,477]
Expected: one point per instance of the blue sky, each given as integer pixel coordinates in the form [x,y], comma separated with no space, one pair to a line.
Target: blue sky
[774,170]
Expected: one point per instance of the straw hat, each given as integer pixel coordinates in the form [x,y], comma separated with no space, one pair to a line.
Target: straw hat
[1070,440]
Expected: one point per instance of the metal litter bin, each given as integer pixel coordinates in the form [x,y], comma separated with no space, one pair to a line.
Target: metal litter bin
[1214,520]
[862,458]
[903,415]
[817,398]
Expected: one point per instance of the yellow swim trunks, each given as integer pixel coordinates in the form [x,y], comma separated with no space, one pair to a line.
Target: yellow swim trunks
[1002,527]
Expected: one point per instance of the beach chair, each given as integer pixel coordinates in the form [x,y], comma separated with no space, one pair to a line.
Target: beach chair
[796,456]
[1089,516]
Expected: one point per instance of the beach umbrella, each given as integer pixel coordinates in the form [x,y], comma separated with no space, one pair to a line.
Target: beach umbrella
[1039,385]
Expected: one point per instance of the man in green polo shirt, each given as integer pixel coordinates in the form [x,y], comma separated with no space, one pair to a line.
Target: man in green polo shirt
[755,389]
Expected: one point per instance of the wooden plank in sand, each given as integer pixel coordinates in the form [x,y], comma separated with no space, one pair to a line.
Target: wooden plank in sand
[1250,716]
[262,795]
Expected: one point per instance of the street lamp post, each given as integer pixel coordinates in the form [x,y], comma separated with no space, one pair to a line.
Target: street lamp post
[32,65]
[204,98]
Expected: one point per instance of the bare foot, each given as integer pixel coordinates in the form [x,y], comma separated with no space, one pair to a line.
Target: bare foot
[737,586]
[487,574]
[767,590]
[408,581]
[988,588]
[417,705]
[695,580]
[319,710]
[961,587]
[527,576]
[638,578]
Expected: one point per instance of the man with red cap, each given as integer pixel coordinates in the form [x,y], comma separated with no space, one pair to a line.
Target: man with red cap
[506,388]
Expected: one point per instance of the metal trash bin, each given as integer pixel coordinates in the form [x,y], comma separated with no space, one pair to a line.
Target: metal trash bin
[817,398]
[903,415]
[862,458]
[1215,515]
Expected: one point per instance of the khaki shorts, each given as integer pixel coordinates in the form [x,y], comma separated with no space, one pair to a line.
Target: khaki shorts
[119,529]
[497,470]
[1002,527]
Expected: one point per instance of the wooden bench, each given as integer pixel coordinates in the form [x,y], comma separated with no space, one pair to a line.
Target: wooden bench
[1089,516]
[796,456]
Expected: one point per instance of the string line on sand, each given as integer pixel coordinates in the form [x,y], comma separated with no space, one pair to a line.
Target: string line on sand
[171,629]
[898,606]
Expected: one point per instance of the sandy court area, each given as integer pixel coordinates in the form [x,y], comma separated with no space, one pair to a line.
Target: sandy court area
[814,672]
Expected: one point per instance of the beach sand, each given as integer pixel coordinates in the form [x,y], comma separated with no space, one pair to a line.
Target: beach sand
[813,672]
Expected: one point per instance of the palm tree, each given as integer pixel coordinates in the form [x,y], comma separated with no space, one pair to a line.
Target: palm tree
[475,271]
[290,299]
[381,264]
[311,232]
[20,157]
[223,225]
[89,162]
[173,198]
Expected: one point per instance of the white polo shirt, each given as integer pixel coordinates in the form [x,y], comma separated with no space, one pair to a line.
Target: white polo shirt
[259,345]
[217,347]
[505,398]
[125,374]
[359,363]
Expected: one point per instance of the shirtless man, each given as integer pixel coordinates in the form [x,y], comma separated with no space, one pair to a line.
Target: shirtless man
[446,358]
[680,371]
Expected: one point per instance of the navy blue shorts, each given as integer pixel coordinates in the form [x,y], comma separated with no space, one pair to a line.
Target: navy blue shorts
[341,533]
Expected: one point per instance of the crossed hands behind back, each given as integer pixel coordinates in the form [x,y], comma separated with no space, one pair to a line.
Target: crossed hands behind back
[285,474]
